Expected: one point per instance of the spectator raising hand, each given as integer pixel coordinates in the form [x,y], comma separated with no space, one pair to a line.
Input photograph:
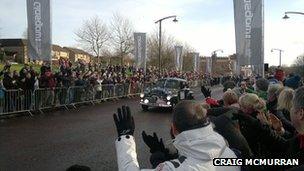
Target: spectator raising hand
[159,153]
[124,121]
[206,92]
[153,142]
[262,118]
[276,124]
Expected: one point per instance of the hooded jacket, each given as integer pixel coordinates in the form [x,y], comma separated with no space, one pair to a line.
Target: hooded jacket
[197,148]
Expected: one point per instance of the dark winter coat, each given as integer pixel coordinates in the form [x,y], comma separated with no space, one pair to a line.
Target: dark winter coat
[9,83]
[277,146]
[225,126]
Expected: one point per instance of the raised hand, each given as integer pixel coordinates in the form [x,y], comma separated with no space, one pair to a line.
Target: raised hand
[275,122]
[262,118]
[124,121]
[206,92]
[154,143]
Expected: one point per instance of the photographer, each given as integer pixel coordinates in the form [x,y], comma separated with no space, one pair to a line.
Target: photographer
[194,138]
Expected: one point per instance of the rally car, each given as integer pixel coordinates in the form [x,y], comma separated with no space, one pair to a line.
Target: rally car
[165,93]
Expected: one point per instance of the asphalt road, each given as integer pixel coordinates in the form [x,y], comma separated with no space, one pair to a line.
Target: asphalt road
[55,141]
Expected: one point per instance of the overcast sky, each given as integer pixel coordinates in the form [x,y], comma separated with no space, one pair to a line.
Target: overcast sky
[206,25]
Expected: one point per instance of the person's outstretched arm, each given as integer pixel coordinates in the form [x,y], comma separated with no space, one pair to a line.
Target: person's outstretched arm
[125,143]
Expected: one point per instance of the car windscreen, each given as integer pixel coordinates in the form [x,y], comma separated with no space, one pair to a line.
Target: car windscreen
[172,84]
[160,83]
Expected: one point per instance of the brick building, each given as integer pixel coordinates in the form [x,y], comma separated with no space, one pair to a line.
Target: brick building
[78,54]
[16,50]
[220,65]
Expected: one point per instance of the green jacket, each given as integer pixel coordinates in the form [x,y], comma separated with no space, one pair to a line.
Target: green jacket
[261,94]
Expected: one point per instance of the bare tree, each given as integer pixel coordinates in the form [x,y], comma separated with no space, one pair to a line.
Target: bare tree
[93,35]
[122,35]
[188,62]
[167,50]
[299,65]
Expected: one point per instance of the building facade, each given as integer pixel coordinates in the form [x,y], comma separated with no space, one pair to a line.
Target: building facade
[59,53]
[15,50]
[78,55]
[219,65]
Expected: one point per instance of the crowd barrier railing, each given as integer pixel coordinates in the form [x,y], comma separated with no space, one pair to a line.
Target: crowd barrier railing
[20,101]
[15,101]
[44,98]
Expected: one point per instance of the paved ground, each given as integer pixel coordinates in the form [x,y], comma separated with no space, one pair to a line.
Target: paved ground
[55,141]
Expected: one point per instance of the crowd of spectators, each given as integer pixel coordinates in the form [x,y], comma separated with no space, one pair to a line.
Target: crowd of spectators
[269,113]
[82,74]
[260,118]
[74,83]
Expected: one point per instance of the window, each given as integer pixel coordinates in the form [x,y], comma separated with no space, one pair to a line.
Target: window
[172,84]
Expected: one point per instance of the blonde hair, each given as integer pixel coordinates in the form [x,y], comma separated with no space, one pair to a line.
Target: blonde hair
[252,101]
[206,105]
[285,99]
[273,89]
[230,97]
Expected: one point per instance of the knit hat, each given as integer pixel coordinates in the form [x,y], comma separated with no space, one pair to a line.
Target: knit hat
[293,82]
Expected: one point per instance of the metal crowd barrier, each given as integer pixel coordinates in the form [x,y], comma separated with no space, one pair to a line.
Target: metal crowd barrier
[44,98]
[15,101]
[19,101]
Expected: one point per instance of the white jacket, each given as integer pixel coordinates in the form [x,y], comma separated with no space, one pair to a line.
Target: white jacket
[196,148]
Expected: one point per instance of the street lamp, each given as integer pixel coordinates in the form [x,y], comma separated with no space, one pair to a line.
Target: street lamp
[291,12]
[121,53]
[219,50]
[280,53]
[159,37]
[213,54]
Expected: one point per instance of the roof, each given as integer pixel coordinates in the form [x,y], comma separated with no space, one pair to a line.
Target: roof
[78,51]
[13,42]
[58,48]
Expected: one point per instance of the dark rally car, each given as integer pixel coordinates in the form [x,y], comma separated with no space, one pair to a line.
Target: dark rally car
[165,93]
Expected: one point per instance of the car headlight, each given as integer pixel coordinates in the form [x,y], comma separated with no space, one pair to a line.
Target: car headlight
[142,95]
[146,101]
[169,97]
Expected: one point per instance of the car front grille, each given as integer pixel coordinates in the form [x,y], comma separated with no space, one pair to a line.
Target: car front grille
[158,93]
[153,99]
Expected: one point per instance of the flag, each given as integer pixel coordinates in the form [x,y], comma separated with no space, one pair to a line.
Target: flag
[196,62]
[140,50]
[39,30]
[178,58]
[209,65]
[249,32]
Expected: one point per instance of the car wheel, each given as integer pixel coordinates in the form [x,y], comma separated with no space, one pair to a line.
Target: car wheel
[173,104]
[144,108]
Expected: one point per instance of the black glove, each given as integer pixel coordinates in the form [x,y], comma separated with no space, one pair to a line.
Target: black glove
[124,122]
[206,92]
[153,143]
